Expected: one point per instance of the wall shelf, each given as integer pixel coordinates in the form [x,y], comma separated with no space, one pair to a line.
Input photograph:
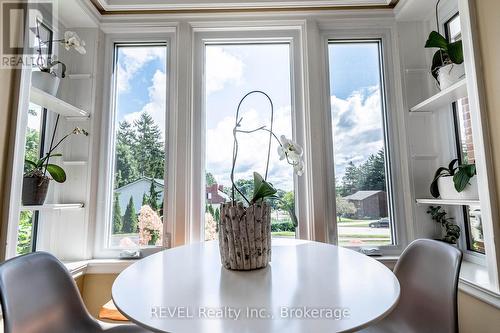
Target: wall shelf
[445,202]
[55,104]
[52,207]
[75,163]
[443,98]
[79,76]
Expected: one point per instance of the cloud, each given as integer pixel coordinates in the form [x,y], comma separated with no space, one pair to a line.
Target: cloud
[221,68]
[156,105]
[357,123]
[132,59]
[252,149]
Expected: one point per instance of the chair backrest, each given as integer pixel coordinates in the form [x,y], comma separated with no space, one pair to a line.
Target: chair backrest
[428,274]
[38,295]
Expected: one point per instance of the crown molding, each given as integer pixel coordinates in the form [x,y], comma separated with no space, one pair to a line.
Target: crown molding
[105,9]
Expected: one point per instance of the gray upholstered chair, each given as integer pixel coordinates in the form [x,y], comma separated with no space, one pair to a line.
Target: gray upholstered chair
[38,295]
[428,274]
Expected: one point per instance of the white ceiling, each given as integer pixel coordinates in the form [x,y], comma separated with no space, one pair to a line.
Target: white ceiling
[73,13]
[112,5]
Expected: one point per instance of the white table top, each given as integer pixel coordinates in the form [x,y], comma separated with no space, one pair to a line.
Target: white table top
[308,287]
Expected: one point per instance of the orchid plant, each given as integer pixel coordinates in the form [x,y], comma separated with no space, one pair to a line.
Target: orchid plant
[288,150]
[70,41]
[40,167]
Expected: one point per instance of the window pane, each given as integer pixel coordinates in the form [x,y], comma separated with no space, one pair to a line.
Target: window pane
[32,152]
[231,72]
[363,201]
[140,107]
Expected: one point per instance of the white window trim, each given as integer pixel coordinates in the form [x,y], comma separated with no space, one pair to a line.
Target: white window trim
[396,138]
[106,144]
[259,33]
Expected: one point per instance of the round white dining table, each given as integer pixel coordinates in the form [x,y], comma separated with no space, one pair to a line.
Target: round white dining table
[308,287]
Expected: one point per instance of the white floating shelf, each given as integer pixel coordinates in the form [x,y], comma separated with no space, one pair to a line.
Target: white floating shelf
[55,104]
[443,98]
[79,76]
[445,202]
[52,207]
[75,163]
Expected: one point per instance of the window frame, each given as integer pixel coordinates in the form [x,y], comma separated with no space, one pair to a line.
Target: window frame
[463,218]
[245,35]
[395,139]
[107,139]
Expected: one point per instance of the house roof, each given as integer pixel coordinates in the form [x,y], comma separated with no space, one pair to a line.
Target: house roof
[158,181]
[361,195]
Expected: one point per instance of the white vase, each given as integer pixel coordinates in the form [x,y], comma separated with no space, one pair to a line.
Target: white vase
[45,82]
[447,189]
[450,74]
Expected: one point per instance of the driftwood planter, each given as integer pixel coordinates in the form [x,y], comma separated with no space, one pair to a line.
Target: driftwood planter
[245,236]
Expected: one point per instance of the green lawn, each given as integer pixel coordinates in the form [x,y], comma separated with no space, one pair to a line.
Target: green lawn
[283,234]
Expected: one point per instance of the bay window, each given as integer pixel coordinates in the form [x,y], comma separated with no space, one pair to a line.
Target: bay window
[231,71]
[362,172]
[139,121]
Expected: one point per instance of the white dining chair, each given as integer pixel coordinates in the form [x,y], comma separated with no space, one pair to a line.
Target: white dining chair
[38,295]
[428,275]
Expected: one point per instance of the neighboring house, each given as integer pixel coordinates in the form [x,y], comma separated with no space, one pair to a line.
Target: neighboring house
[369,203]
[215,194]
[136,190]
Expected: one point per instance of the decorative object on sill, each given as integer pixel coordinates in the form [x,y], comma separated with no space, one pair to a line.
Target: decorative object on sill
[455,182]
[452,231]
[447,63]
[47,78]
[245,227]
[35,180]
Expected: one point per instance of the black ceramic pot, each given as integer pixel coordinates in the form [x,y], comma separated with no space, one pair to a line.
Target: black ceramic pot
[35,190]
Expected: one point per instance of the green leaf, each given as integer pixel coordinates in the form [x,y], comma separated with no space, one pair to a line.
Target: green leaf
[42,160]
[33,164]
[456,53]
[441,172]
[437,40]
[438,61]
[470,169]
[451,166]
[261,188]
[57,173]
[461,180]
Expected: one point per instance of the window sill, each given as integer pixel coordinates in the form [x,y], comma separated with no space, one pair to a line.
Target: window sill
[97,266]
[474,280]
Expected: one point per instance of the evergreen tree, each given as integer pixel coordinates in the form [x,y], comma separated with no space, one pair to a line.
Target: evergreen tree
[210,179]
[148,148]
[217,215]
[117,216]
[154,197]
[374,169]
[126,165]
[350,180]
[130,218]
[145,199]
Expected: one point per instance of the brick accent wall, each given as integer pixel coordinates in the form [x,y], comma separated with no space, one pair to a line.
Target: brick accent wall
[469,143]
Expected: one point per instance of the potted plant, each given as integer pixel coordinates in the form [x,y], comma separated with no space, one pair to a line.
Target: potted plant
[47,79]
[455,182]
[447,63]
[36,181]
[452,231]
[245,226]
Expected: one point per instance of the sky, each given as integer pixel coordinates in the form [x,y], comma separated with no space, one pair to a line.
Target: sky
[231,72]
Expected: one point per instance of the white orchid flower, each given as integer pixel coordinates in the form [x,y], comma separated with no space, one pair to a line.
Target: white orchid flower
[292,152]
[299,168]
[72,40]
